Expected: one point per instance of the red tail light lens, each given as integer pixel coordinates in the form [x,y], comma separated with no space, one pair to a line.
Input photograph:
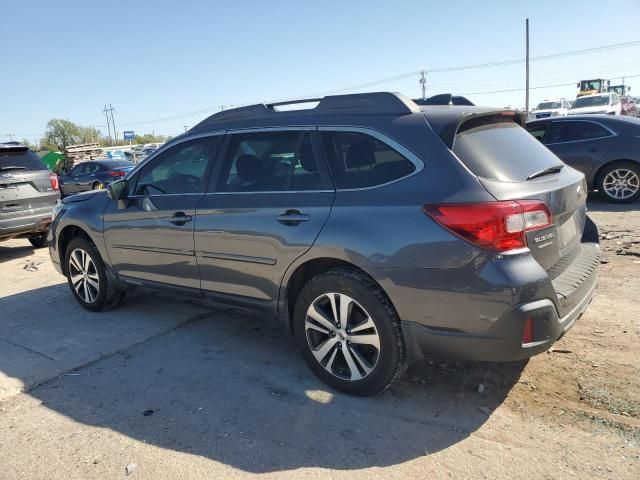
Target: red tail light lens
[53,178]
[117,173]
[498,226]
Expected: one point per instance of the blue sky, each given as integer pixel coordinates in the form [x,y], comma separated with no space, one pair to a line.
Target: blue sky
[157,59]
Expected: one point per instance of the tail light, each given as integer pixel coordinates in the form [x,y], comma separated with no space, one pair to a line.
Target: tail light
[117,173]
[497,226]
[53,178]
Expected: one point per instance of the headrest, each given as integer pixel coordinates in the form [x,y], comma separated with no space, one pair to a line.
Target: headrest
[250,168]
[360,154]
[307,158]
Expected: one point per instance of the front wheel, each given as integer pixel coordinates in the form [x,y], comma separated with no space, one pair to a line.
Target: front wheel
[87,277]
[349,332]
[620,182]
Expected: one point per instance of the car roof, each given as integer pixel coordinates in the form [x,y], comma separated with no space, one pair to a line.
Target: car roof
[360,109]
[602,118]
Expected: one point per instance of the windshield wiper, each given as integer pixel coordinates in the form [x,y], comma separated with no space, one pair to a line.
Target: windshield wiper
[546,171]
[12,167]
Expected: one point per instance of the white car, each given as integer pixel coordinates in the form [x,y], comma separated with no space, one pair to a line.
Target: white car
[608,103]
[550,108]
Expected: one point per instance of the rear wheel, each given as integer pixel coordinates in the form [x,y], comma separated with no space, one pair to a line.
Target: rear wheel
[38,240]
[349,332]
[87,278]
[620,182]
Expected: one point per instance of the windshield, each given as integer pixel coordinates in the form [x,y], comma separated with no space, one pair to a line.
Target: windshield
[548,105]
[590,85]
[596,101]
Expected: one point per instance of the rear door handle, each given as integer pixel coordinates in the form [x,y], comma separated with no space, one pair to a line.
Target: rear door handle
[293,217]
[180,218]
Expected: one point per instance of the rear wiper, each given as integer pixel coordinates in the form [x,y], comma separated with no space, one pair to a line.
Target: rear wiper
[12,167]
[546,171]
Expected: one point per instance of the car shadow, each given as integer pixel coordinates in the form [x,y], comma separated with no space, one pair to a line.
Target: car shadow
[231,387]
[595,203]
[14,252]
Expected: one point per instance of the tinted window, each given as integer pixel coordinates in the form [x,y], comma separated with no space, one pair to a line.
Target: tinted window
[180,169]
[538,130]
[270,161]
[16,161]
[502,151]
[357,160]
[572,131]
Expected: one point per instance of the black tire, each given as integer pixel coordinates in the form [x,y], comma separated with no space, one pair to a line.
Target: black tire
[109,295]
[391,361]
[38,240]
[603,176]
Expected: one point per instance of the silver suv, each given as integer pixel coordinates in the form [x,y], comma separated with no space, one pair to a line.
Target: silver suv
[28,193]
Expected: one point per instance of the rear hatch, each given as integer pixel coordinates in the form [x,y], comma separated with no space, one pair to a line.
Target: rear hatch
[25,184]
[512,165]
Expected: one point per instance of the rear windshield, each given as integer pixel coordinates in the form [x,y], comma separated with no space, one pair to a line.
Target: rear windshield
[117,164]
[503,151]
[17,161]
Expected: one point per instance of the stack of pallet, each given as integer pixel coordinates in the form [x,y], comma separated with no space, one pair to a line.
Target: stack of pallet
[83,152]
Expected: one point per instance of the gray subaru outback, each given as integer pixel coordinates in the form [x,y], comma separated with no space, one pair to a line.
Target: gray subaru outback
[377,231]
[28,193]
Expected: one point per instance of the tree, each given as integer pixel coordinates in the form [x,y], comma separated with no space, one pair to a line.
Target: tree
[61,133]
[149,138]
[89,135]
[32,146]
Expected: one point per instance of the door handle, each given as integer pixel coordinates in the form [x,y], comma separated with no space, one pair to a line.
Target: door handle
[293,217]
[180,218]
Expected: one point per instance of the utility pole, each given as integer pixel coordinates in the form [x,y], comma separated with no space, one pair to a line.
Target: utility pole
[106,113]
[10,137]
[526,100]
[423,83]
[186,127]
[113,122]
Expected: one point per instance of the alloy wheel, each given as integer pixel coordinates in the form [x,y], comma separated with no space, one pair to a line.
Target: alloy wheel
[621,183]
[342,336]
[84,275]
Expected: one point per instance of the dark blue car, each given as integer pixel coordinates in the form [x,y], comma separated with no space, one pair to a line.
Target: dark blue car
[93,175]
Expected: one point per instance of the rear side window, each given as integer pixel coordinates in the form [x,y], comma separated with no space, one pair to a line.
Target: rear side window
[358,160]
[16,161]
[502,151]
[575,131]
[538,131]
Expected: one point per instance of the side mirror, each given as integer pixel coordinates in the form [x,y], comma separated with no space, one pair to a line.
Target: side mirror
[117,190]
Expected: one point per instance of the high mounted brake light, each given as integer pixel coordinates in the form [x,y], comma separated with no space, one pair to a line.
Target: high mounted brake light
[498,226]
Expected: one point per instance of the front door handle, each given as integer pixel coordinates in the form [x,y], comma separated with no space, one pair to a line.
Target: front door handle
[180,218]
[293,217]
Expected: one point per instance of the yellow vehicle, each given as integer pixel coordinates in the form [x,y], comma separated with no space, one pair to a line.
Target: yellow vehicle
[592,87]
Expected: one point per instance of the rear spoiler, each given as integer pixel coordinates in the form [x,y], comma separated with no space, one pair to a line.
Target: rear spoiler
[447,122]
[12,147]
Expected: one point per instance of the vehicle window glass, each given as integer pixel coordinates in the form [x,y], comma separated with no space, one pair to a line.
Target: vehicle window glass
[502,151]
[180,169]
[270,161]
[358,160]
[537,131]
[574,131]
[21,160]
[92,168]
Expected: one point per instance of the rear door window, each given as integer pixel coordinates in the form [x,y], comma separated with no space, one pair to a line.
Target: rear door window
[502,151]
[573,131]
[270,162]
[538,131]
[358,160]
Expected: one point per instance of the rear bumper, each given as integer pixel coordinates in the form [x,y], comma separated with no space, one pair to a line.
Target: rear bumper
[551,317]
[504,341]
[29,221]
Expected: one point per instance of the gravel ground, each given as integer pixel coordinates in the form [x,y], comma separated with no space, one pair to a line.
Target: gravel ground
[169,388]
